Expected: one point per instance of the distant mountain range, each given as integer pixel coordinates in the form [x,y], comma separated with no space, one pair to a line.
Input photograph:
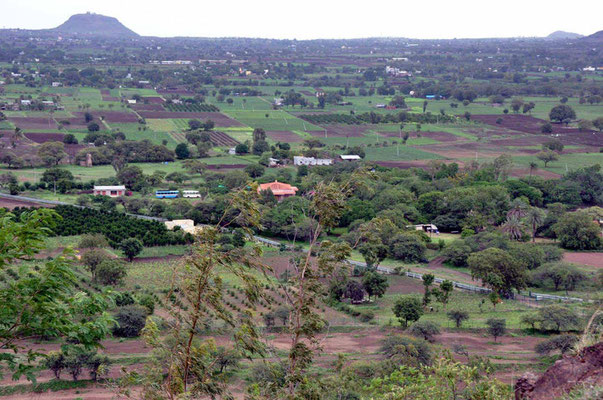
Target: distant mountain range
[564,35]
[94,25]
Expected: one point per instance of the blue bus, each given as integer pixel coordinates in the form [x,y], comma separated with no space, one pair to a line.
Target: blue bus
[166,194]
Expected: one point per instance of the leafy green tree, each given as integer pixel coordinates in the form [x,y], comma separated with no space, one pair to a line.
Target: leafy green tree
[427,282]
[255,170]
[561,275]
[373,252]
[194,124]
[407,351]
[577,231]
[131,248]
[558,318]
[442,293]
[375,284]
[52,153]
[130,321]
[424,329]
[131,176]
[182,151]
[41,300]
[498,270]
[496,327]
[92,259]
[458,316]
[110,272]
[563,343]
[535,218]
[55,361]
[547,156]
[408,248]
[531,319]
[407,308]
[562,114]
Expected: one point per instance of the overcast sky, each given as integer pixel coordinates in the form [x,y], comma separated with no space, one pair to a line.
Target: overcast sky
[310,19]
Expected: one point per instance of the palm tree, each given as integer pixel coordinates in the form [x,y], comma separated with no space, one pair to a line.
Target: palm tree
[513,226]
[535,217]
[533,167]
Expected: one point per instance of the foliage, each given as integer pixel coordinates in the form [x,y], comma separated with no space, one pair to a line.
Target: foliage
[577,231]
[129,321]
[424,329]
[375,284]
[407,308]
[558,318]
[496,327]
[458,316]
[131,247]
[110,272]
[498,270]
[563,343]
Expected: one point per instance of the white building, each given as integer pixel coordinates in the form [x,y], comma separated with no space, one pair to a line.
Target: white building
[111,191]
[300,160]
[350,157]
[56,84]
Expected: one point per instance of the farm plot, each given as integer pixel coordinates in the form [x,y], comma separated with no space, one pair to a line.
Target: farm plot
[284,136]
[221,139]
[111,116]
[219,118]
[147,107]
[192,107]
[44,137]
[272,120]
[33,122]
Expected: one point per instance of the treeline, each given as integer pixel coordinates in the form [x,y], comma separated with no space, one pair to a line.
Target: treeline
[115,226]
[377,118]
[124,151]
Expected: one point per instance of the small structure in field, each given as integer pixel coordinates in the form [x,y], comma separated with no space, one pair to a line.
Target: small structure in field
[350,157]
[111,191]
[300,160]
[429,228]
[187,225]
[279,190]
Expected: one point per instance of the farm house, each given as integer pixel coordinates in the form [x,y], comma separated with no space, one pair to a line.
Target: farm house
[279,190]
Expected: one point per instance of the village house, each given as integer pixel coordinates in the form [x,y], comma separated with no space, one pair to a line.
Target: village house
[300,160]
[111,191]
[279,190]
[350,157]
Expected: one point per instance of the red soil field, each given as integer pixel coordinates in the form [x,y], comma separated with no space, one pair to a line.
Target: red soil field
[341,130]
[10,204]
[33,122]
[154,99]
[592,259]
[219,118]
[521,172]
[45,137]
[284,136]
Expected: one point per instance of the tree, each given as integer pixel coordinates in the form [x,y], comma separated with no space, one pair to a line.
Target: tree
[131,248]
[354,291]
[373,252]
[496,327]
[427,282]
[442,293]
[546,128]
[407,308]
[55,361]
[553,144]
[92,259]
[424,329]
[254,170]
[259,134]
[546,156]
[498,270]
[558,318]
[561,275]
[194,124]
[241,148]
[130,321]
[562,114]
[259,147]
[598,123]
[408,247]
[283,314]
[93,127]
[514,227]
[577,231]
[110,272]
[375,284]
[458,317]
[531,319]
[131,176]
[70,139]
[535,218]
[42,301]
[182,151]
[52,153]
[269,319]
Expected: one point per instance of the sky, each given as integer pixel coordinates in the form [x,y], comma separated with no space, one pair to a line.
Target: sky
[325,19]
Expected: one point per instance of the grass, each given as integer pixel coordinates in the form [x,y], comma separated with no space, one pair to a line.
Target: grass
[53,385]
[277,120]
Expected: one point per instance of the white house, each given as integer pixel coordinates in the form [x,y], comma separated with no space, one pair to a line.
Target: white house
[111,191]
[300,160]
[56,84]
[26,102]
[350,157]
[232,151]
[131,101]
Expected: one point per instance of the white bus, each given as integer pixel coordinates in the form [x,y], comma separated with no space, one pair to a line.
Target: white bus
[191,193]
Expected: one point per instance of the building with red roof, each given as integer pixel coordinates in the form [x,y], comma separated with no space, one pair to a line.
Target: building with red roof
[279,190]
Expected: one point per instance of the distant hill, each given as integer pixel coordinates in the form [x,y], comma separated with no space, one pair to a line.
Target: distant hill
[564,35]
[596,37]
[94,25]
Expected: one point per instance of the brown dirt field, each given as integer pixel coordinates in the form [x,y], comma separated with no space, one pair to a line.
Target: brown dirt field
[33,122]
[284,136]
[154,99]
[592,259]
[342,130]
[10,204]
[444,137]
[219,118]
[44,137]
[147,107]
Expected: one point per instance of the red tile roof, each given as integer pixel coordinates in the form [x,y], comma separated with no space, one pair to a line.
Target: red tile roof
[278,188]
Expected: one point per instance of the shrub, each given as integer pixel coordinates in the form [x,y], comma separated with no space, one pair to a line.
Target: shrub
[496,327]
[563,343]
[148,302]
[110,272]
[130,321]
[91,240]
[92,259]
[131,248]
[408,308]
[410,351]
[558,318]
[424,329]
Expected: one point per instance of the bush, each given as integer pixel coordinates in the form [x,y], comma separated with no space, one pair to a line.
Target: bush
[130,321]
[563,343]
[424,329]
[110,272]
[131,248]
[408,248]
[92,259]
[148,302]
[91,240]
[124,299]
[558,318]
[408,308]
[409,350]
[496,327]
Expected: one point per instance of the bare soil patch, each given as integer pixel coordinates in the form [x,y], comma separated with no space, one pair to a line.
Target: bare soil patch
[33,122]
[111,116]
[284,136]
[592,259]
[219,118]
